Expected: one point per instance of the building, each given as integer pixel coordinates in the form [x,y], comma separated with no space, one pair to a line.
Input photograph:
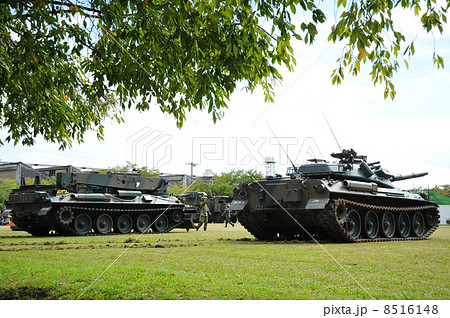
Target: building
[444,211]
[208,176]
[185,180]
[182,179]
[48,172]
[17,170]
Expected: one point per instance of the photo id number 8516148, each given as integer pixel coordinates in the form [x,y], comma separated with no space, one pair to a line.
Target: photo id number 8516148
[411,309]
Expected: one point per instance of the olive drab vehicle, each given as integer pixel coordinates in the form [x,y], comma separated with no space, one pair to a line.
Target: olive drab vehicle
[191,201]
[93,203]
[350,200]
[216,205]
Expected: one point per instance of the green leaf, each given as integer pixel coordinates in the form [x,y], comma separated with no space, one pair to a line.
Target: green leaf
[417,9]
[293,9]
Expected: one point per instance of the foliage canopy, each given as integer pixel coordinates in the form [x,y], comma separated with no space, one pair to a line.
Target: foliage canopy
[65,66]
[130,168]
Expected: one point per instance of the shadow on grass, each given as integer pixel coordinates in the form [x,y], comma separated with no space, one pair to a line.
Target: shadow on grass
[27,293]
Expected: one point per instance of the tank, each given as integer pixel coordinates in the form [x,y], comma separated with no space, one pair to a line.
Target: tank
[95,204]
[349,200]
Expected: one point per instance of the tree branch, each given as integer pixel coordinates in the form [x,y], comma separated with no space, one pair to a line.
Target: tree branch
[68,4]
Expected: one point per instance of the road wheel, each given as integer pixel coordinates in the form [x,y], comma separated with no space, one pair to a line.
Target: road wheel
[388,224]
[403,225]
[418,224]
[103,224]
[124,224]
[82,224]
[371,225]
[353,224]
[161,224]
[142,223]
[177,216]
[431,218]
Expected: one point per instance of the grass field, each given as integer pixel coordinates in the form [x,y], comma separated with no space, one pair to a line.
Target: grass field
[221,263]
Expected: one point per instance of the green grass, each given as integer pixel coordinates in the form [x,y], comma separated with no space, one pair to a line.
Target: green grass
[221,263]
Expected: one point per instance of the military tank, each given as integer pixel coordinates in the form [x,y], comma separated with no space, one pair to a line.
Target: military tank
[349,200]
[95,204]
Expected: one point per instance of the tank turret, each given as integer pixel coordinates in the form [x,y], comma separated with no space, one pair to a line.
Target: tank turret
[351,167]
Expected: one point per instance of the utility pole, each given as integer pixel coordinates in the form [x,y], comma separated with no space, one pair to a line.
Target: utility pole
[192,168]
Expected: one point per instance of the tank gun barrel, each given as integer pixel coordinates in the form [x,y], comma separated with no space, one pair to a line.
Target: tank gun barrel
[408,176]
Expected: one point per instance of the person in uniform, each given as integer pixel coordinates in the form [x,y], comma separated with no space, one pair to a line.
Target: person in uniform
[227,214]
[204,213]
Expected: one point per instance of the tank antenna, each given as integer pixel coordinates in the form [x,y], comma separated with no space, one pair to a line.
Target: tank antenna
[331,129]
[284,150]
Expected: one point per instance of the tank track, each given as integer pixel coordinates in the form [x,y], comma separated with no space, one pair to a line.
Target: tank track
[67,229]
[338,233]
[330,228]
[250,224]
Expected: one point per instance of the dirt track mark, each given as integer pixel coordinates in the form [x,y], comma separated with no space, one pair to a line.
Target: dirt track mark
[91,247]
[37,243]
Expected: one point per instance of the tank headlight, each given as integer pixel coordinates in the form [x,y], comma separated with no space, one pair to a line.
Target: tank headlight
[319,188]
[242,194]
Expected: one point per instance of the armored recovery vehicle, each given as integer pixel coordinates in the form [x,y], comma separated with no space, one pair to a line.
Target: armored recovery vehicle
[350,200]
[93,203]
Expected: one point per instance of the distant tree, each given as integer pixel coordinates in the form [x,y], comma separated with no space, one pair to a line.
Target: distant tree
[6,186]
[199,185]
[65,66]
[176,189]
[147,172]
[131,167]
[446,188]
[225,182]
[222,184]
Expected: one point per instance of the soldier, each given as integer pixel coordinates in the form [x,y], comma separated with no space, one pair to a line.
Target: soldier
[204,212]
[227,214]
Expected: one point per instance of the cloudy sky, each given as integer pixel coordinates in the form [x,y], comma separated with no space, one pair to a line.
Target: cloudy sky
[409,134]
